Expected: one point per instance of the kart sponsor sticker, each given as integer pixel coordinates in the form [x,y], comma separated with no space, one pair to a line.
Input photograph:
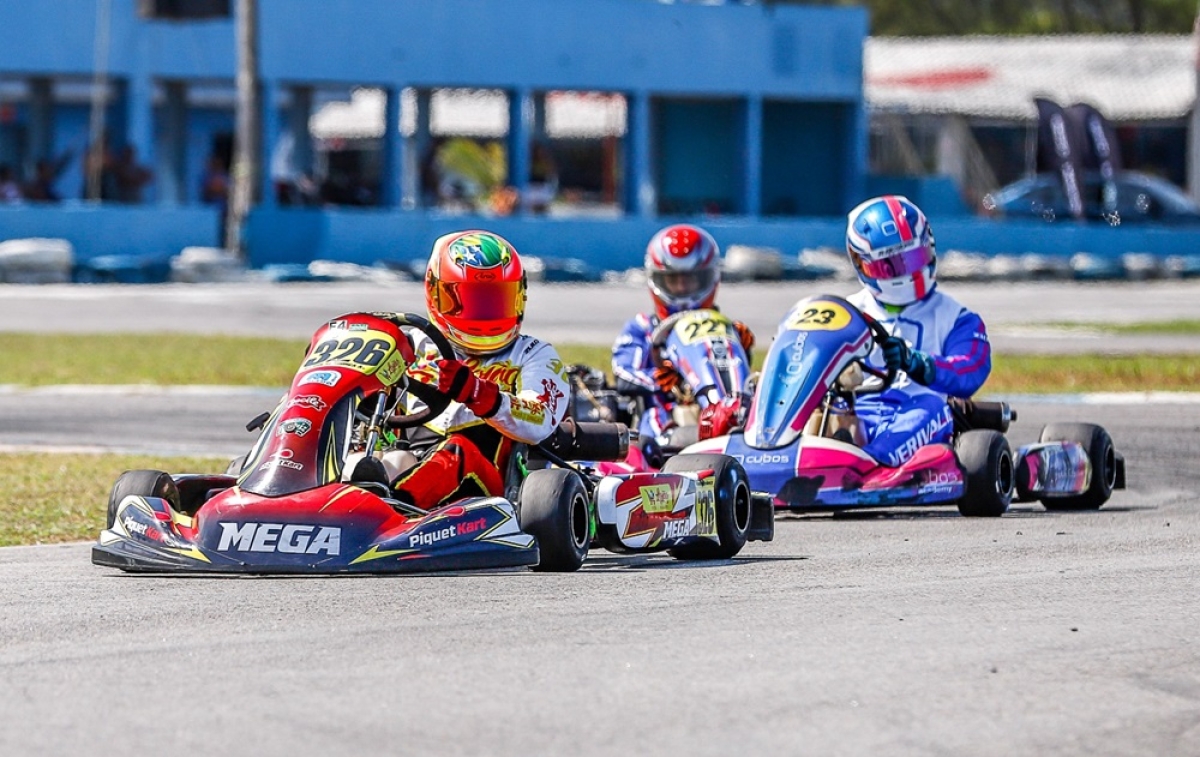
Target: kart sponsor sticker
[676,529]
[501,372]
[765,458]
[657,498]
[523,409]
[324,378]
[289,538]
[795,367]
[706,506]
[311,401]
[702,324]
[282,459]
[936,477]
[136,527]
[550,395]
[363,352]
[429,538]
[820,315]
[297,426]
[391,370]
[344,325]
[939,482]
[930,433]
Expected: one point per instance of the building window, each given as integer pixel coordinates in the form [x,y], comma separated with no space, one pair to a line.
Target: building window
[182,10]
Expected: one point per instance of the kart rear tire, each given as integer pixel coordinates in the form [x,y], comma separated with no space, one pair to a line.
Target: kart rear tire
[1100,452]
[556,511]
[732,495]
[987,462]
[142,483]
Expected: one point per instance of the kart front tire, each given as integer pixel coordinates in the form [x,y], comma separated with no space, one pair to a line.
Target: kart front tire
[555,510]
[1100,452]
[142,483]
[732,495]
[987,462]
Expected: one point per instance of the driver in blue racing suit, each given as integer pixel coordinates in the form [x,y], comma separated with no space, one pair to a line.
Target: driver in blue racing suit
[683,269]
[939,347]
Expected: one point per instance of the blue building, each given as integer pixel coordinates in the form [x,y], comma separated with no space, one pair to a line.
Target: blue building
[734,112]
[748,118]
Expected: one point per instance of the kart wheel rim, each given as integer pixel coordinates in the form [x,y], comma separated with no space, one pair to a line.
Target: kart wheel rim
[1005,477]
[580,527]
[741,508]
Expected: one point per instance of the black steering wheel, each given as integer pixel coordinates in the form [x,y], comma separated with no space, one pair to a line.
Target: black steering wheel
[886,377]
[435,401]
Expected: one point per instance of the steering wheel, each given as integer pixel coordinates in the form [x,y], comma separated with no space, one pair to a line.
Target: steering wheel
[435,401]
[886,377]
[658,337]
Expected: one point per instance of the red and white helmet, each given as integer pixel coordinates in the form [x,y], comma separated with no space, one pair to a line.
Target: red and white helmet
[683,268]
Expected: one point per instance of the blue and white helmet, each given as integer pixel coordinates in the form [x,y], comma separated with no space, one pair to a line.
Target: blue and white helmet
[891,246]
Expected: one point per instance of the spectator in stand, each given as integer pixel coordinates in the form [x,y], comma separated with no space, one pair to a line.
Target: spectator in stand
[45,174]
[214,190]
[543,179]
[10,190]
[130,176]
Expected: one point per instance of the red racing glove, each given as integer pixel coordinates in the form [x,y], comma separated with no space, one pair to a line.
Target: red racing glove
[720,418]
[481,396]
[745,336]
[666,375]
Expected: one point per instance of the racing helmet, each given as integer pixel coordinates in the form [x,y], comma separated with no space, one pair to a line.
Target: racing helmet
[683,268]
[475,291]
[891,246]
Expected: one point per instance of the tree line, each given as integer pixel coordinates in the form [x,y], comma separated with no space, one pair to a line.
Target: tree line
[921,18]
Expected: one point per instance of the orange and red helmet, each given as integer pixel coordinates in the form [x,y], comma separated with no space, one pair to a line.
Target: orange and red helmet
[683,268]
[475,291]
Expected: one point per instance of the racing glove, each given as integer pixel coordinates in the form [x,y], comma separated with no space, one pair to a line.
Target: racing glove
[745,336]
[666,375]
[721,417]
[899,356]
[480,396]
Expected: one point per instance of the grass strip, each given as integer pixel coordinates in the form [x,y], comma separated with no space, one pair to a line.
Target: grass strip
[51,498]
[1054,374]
[159,359]
[169,359]
[1178,327]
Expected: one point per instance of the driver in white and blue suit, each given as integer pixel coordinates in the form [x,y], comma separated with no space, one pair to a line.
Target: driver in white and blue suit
[939,347]
[683,271]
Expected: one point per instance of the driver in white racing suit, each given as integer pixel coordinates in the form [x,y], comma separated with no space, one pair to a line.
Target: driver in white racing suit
[507,387]
[939,347]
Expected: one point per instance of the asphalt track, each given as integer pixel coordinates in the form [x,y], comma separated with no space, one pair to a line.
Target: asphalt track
[905,632]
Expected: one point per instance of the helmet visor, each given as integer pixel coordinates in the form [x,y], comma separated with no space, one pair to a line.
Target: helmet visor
[478,300]
[899,263]
[682,285]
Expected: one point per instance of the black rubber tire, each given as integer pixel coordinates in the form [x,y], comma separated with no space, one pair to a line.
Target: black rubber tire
[1100,452]
[142,483]
[556,511]
[732,492]
[987,462]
